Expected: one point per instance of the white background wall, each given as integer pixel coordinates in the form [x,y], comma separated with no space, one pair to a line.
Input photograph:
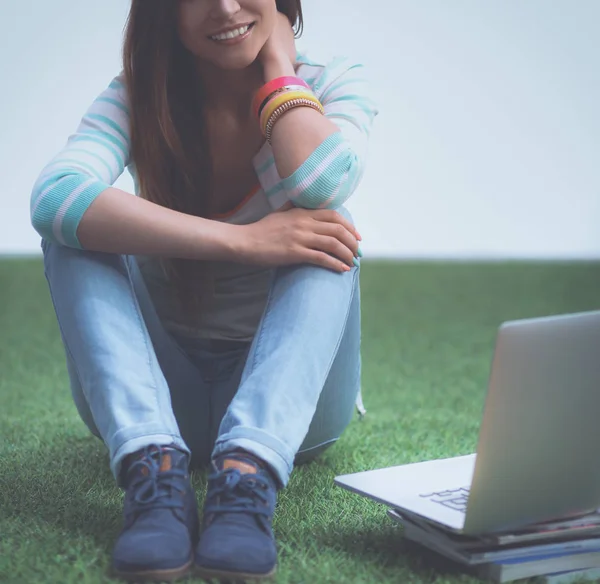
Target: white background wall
[487,144]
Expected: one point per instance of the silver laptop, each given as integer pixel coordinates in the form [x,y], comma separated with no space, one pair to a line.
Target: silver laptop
[538,456]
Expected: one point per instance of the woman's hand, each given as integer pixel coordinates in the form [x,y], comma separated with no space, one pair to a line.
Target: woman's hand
[278,55]
[320,237]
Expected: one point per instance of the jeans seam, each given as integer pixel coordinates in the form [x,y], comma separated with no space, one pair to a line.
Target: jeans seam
[330,441]
[142,324]
[66,344]
[266,314]
[339,341]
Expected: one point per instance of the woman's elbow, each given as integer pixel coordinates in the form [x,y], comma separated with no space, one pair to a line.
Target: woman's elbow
[42,220]
[51,197]
[42,208]
[332,188]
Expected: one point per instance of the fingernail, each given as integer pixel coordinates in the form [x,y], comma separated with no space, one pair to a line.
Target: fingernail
[356,262]
[360,253]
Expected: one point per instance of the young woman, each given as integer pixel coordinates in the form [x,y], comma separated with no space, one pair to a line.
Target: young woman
[214,318]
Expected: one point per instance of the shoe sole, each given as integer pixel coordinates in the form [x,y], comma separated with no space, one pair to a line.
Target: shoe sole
[155,575]
[232,576]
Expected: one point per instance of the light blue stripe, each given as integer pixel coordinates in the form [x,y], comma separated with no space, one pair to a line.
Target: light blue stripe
[116,103]
[321,188]
[340,68]
[103,136]
[111,124]
[116,84]
[100,138]
[75,212]
[54,178]
[311,81]
[302,58]
[347,97]
[346,117]
[337,85]
[96,156]
[262,169]
[363,127]
[348,188]
[330,70]
[94,172]
[46,209]
[324,185]
[356,100]
[274,190]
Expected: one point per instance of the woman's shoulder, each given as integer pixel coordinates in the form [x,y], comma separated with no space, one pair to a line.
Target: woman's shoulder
[321,73]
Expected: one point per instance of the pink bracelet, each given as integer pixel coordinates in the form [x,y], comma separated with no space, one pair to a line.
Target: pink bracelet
[268,88]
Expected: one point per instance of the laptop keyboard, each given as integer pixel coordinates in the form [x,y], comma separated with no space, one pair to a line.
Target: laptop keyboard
[454,498]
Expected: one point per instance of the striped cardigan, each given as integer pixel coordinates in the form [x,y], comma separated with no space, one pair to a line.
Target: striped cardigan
[99,151]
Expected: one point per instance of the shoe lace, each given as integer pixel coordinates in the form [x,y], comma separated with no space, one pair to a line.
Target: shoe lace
[234,492]
[153,488]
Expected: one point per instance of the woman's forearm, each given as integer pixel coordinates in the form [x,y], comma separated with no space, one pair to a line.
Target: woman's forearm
[117,222]
[300,131]
[296,135]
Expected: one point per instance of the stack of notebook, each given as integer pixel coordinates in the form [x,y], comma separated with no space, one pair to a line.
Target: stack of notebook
[559,551]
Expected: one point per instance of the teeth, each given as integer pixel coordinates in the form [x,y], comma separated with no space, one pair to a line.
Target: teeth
[230,34]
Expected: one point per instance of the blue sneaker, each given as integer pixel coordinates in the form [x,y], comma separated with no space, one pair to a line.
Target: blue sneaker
[237,541]
[160,517]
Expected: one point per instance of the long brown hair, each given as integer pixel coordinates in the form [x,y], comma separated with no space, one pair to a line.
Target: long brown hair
[168,136]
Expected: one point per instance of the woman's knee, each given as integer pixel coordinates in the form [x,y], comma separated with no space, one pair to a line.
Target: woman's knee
[306,455]
[327,427]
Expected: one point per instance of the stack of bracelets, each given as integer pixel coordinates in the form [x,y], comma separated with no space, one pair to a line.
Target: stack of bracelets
[279,96]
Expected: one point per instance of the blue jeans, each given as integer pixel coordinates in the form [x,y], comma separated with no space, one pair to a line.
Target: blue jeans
[284,397]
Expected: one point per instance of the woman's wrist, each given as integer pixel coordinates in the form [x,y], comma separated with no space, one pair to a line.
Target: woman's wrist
[217,240]
[239,246]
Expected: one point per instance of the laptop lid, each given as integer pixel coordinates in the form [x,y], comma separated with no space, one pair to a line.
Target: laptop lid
[538,455]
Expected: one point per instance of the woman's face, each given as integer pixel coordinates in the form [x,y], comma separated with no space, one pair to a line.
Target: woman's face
[226,33]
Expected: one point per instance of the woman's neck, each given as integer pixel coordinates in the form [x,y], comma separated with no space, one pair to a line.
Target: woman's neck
[230,90]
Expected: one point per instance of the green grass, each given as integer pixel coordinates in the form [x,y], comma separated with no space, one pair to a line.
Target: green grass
[428,334]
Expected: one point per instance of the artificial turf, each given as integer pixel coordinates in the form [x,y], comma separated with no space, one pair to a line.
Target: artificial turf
[428,336]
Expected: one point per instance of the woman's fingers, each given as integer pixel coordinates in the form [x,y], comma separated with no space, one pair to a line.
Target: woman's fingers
[333,217]
[324,260]
[341,233]
[332,245]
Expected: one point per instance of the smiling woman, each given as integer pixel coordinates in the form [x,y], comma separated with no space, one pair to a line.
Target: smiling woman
[220,322]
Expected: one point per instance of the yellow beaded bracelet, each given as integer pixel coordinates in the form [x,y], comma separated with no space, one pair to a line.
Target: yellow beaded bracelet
[279,100]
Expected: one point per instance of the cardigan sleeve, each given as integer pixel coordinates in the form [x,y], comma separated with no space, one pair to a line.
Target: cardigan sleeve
[331,174]
[93,158]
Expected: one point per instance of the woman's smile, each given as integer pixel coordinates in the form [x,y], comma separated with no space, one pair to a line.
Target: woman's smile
[233,35]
